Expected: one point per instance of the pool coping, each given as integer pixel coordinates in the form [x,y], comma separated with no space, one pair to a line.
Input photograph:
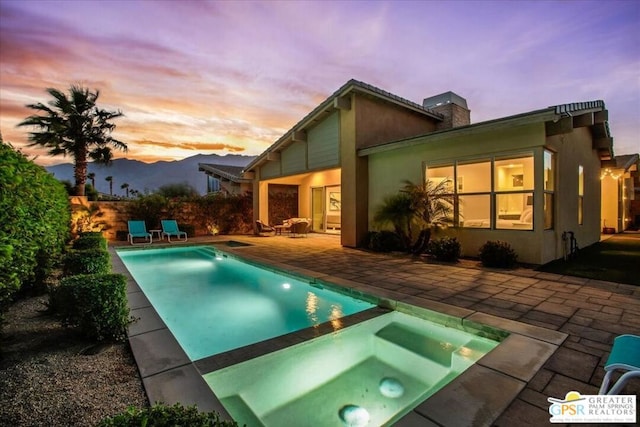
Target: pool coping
[477,396]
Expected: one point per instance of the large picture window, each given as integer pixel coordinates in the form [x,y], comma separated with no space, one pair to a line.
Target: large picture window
[490,193]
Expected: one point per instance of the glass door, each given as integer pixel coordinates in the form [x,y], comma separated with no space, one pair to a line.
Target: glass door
[317,209]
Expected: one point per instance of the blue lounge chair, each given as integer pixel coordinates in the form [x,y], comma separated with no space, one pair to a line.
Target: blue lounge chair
[625,356]
[138,230]
[170,228]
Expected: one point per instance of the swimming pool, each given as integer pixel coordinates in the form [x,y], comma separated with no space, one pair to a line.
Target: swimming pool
[213,303]
[371,373]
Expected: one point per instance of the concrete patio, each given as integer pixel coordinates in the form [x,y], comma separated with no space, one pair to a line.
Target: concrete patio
[591,313]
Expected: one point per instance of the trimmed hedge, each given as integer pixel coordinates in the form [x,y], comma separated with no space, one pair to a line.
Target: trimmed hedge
[34,223]
[445,249]
[166,416]
[497,254]
[90,241]
[386,241]
[96,303]
[87,261]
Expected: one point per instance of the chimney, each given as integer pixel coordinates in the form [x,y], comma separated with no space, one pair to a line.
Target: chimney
[452,106]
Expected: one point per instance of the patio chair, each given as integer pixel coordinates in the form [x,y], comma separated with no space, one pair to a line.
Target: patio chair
[263,228]
[138,230]
[300,228]
[170,228]
[625,356]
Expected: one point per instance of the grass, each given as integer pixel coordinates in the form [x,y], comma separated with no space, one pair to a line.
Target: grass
[616,259]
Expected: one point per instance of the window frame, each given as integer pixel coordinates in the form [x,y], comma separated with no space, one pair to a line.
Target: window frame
[492,193]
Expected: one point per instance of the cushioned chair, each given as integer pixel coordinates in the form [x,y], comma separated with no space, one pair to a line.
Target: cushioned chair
[625,356]
[138,230]
[262,228]
[300,228]
[170,228]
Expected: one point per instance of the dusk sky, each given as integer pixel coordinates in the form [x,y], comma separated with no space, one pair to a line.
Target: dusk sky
[219,77]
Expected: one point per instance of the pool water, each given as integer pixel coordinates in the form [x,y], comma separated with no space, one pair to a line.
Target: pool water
[371,373]
[214,303]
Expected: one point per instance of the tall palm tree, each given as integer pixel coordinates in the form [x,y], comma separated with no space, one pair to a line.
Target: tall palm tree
[109,179]
[73,125]
[125,186]
[92,177]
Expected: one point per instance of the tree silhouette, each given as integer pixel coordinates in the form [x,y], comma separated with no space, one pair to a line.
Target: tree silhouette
[73,125]
[92,177]
[125,186]
[109,179]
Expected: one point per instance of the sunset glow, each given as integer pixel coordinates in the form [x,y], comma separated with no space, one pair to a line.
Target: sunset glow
[218,77]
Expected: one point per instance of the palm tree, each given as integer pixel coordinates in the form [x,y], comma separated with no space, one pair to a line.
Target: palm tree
[73,125]
[92,177]
[432,205]
[125,186]
[398,210]
[109,179]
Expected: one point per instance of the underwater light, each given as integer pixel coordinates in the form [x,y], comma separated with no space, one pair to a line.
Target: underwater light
[286,286]
[354,416]
[218,257]
[391,387]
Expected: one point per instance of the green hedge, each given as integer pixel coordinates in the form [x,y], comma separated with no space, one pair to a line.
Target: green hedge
[96,303]
[166,416]
[87,261]
[34,223]
[90,241]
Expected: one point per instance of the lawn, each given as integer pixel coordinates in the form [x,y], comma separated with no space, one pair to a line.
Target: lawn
[616,259]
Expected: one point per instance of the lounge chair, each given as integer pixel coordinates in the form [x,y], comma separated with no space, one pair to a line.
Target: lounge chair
[263,228]
[138,230]
[300,228]
[625,356]
[170,228]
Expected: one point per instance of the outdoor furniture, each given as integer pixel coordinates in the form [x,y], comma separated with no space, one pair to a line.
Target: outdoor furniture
[138,230]
[262,228]
[300,228]
[625,356]
[280,228]
[170,228]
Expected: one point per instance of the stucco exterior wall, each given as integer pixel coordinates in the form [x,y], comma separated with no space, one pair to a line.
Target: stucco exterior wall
[378,122]
[388,169]
[572,150]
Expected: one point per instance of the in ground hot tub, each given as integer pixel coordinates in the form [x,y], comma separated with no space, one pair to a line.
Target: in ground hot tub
[371,373]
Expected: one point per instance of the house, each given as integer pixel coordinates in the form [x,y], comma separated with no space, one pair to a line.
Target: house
[528,179]
[620,181]
[224,178]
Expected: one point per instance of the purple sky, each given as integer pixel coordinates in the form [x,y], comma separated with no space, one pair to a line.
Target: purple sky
[231,77]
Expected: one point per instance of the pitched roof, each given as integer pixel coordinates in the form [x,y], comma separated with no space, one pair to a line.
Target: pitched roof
[328,105]
[552,114]
[232,173]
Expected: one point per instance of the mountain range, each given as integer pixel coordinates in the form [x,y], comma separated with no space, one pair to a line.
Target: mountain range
[148,177]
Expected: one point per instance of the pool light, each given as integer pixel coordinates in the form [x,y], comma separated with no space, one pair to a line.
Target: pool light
[391,387]
[286,286]
[354,416]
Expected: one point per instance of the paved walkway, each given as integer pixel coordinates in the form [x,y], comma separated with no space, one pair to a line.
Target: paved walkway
[591,312]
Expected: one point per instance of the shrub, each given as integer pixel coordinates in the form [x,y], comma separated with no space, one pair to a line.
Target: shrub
[96,303]
[386,241]
[88,261]
[34,218]
[497,254]
[166,416]
[445,249]
[90,241]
